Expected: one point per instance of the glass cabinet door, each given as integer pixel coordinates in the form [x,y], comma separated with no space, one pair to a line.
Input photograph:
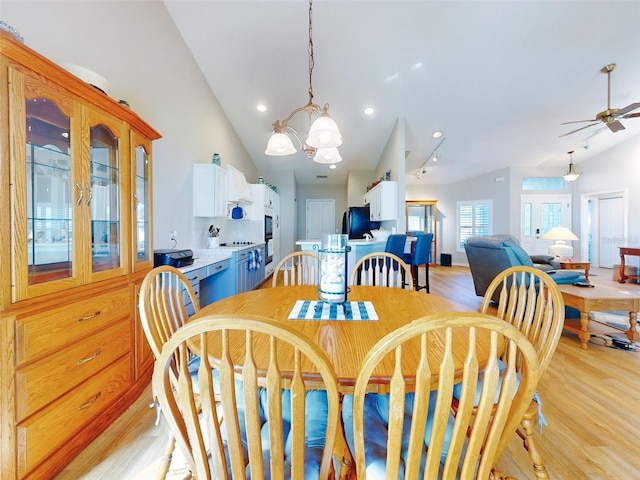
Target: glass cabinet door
[141,207]
[49,189]
[104,203]
[105,230]
[46,187]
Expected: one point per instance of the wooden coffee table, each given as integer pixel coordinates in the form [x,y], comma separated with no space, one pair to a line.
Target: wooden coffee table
[599,298]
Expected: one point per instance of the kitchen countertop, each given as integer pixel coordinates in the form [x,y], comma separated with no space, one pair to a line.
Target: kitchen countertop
[351,242]
[226,249]
[203,259]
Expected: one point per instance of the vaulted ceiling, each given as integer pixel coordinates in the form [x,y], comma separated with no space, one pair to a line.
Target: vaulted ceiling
[496,77]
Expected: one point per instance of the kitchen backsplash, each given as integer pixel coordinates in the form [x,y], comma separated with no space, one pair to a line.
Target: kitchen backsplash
[230,231]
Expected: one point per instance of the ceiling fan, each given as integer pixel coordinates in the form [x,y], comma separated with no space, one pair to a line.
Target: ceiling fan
[609,116]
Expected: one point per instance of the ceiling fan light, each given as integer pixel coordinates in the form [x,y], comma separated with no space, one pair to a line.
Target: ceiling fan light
[324,133]
[279,145]
[327,155]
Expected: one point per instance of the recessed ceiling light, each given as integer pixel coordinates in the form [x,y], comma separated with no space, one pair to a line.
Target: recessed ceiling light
[368,110]
[437,134]
[261,107]
[332,166]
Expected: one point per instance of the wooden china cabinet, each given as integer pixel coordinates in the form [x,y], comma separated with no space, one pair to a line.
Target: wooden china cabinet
[75,244]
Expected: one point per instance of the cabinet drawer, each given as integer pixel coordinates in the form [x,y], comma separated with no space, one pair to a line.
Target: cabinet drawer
[50,429]
[42,382]
[48,331]
[218,267]
[194,276]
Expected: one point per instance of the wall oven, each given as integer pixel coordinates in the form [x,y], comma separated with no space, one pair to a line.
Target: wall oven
[268,239]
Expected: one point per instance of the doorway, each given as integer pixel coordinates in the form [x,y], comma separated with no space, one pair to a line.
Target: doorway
[320,218]
[422,216]
[604,227]
[538,214]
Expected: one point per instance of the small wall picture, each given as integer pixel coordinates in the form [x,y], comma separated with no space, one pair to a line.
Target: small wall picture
[387,175]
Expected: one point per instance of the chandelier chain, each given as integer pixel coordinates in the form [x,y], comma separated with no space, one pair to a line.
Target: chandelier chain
[311,59]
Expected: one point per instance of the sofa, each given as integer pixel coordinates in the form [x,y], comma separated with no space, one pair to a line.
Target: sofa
[489,255]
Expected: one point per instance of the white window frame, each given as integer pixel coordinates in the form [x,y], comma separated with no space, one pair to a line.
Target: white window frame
[477,229]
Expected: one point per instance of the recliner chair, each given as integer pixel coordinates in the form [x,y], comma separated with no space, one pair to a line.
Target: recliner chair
[489,255]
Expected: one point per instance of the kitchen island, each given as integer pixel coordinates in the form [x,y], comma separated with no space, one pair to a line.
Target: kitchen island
[359,248]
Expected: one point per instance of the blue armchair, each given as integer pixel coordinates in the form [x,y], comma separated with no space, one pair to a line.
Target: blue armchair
[490,255]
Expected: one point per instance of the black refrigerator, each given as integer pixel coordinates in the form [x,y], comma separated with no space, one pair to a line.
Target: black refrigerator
[355,222]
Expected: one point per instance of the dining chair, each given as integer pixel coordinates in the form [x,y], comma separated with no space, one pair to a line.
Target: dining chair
[163,295]
[420,255]
[410,432]
[298,268]
[381,269]
[277,424]
[531,301]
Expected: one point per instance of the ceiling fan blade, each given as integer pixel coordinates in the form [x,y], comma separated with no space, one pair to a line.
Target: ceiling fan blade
[628,108]
[632,115]
[580,121]
[581,128]
[615,126]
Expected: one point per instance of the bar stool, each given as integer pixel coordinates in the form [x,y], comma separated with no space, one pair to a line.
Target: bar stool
[395,244]
[421,255]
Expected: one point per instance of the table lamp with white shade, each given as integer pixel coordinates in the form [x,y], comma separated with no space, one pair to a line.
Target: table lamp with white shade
[561,235]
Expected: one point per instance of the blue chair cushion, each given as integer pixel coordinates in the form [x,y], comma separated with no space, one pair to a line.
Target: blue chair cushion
[457,390]
[316,411]
[376,427]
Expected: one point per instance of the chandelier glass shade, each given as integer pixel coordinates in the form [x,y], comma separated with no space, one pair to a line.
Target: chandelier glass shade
[323,133]
[280,144]
[327,155]
[571,175]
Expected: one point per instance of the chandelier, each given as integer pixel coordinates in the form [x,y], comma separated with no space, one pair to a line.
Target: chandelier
[571,175]
[324,136]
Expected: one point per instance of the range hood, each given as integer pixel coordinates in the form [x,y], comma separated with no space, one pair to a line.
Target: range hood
[239,192]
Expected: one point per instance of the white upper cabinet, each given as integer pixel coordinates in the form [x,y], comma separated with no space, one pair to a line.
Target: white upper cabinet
[210,190]
[265,201]
[383,201]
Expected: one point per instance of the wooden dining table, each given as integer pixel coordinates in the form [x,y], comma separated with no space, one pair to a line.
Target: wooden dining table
[346,342]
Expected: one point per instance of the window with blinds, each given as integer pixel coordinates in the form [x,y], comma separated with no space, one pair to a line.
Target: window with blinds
[474,218]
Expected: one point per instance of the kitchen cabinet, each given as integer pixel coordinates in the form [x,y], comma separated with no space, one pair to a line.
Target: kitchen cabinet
[75,239]
[210,190]
[265,201]
[383,201]
[217,284]
[245,278]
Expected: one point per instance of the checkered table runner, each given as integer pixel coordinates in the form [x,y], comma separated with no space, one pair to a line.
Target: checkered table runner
[305,310]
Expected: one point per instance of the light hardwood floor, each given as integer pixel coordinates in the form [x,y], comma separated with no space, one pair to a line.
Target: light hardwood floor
[590,400]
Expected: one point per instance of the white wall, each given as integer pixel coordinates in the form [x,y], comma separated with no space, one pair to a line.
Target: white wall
[136,47]
[392,158]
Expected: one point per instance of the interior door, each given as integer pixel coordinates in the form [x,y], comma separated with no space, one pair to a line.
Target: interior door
[321,218]
[538,214]
[606,215]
